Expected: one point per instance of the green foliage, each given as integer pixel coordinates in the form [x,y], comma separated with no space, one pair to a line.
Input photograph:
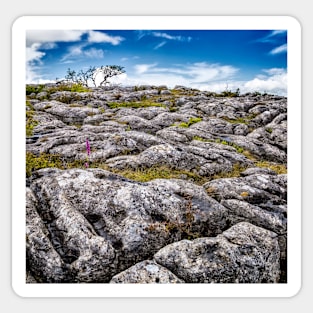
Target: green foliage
[173,109]
[44,160]
[73,87]
[240,120]
[221,141]
[228,93]
[229,143]
[138,88]
[191,121]
[88,76]
[29,105]
[202,139]
[269,130]
[34,89]
[30,122]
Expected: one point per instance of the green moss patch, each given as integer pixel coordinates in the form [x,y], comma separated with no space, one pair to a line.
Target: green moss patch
[190,122]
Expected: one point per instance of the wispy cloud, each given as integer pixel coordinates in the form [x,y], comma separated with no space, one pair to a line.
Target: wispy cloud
[143,68]
[124,59]
[161,44]
[200,72]
[192,75]
[100,37]
[170,37]
[273,36]
[79,51]
[143,33]
[279,49]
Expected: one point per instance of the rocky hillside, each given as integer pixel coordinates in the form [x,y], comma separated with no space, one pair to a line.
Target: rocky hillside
[180,186]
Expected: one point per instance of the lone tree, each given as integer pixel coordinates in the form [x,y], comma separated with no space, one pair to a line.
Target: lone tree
[91,75]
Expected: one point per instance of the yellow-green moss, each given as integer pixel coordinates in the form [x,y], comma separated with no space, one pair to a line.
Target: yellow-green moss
[191,121]
[44,160]
[157,172]
[235,172]
[30,123]
[278,168]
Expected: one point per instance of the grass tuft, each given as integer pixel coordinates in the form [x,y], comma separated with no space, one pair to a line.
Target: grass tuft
[278,168]
[191,121]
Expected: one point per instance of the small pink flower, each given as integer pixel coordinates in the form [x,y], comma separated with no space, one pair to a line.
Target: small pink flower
[88,147]
[86,165]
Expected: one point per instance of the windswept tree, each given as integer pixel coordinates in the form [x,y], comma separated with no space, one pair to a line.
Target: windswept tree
[92,75]
[108,71]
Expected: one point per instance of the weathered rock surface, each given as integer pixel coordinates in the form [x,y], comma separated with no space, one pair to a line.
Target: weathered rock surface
[146,272]
[222,219]
[242,254]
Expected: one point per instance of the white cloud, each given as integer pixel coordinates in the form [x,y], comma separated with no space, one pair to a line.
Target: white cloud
[99,37]
[161,44]
[33,59]
[197,75]
[78,51]
[278,32]
[272,36]
[94,53]
[280,49]
[38,40]
[32,53]
[142,33]
[42,36]
[275,71]
[275,82]
[143,68]
[201,72]
[170,37]
[204,76]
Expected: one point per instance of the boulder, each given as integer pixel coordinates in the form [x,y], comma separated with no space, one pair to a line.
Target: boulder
[243,254]
[146,272]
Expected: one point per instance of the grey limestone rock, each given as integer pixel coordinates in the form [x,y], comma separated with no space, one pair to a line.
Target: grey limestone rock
[223,219]
[146,272]
[244,253]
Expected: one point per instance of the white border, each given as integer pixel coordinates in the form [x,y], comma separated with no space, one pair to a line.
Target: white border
[156,22]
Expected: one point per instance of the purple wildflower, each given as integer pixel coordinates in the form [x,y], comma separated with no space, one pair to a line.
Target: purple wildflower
[86,165]
[88,147]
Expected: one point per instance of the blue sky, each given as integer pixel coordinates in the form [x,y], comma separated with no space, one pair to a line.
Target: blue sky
[252,60]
